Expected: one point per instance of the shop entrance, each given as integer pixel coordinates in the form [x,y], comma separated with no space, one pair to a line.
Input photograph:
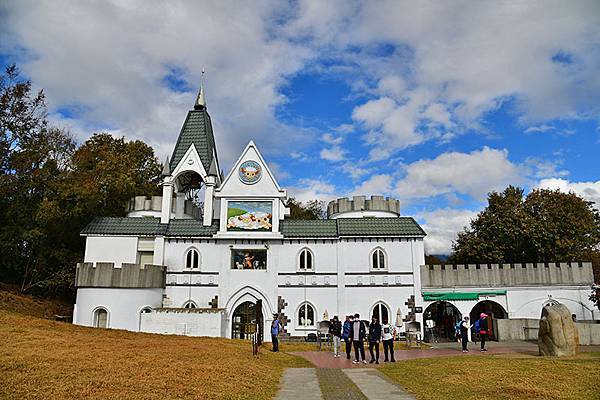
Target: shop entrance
[440,318]
[494,311]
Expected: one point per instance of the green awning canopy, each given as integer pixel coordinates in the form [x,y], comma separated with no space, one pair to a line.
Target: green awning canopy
[445,296]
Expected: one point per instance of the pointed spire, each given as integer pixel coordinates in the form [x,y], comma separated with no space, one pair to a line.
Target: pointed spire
[212,170]
[200,100]
[166,168]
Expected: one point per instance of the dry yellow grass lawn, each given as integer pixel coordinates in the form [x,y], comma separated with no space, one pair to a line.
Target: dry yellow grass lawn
[500,377]
[41,359]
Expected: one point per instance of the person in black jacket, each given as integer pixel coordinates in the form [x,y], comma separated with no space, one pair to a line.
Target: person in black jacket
[358,334]
[484,330]
[335,330]
[374,338]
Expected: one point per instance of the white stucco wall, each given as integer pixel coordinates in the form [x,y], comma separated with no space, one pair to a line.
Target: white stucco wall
[183,322]
[123,306]
[114,249]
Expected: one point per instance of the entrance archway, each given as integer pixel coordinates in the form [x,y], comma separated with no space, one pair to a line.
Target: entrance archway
[440,318]
[493,310]
[247,318]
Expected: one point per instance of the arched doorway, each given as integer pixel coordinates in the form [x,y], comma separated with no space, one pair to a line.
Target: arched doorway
[101,318]
[493,310]
[381,312]
[440,318]
[247,318]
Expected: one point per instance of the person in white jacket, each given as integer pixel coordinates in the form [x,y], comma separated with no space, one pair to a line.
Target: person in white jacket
[464,334]
[388,332]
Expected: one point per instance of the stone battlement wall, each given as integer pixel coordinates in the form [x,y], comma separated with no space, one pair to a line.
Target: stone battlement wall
[362,203]
[154,203]
[106,275]
[502,275]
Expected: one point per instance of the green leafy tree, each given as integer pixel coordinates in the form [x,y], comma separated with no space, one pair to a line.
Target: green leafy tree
[312,209]
[545,226]
[33,161]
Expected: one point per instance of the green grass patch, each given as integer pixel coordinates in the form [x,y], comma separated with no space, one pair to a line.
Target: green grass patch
[500,377]
[234,212]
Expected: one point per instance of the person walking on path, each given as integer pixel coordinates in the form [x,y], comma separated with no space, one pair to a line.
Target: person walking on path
[346,335]
[374,338]
[464,333]
[388,333]
[335,330]
[483,330]
[358,334]
[274,333]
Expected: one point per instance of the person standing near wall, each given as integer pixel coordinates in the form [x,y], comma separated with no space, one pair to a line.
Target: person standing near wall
[358,334]
[335,330]
[464,333]
[275,333]
[483,330]
[346,335]
[388,333]
[374,338]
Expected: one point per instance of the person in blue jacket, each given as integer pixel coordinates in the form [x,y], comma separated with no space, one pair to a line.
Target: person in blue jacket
[275,332]
[346,335]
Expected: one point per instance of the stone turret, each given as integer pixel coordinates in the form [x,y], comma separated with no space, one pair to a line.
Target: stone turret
[363,207]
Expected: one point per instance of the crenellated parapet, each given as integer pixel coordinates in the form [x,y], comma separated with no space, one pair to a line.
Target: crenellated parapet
[506,275]
[359,205]
[106,275]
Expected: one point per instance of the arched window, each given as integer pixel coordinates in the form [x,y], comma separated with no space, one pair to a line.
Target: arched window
[305,261]
[192,259]
[101,318]
[306,315]
[381,312]
[190,304]
[378,260]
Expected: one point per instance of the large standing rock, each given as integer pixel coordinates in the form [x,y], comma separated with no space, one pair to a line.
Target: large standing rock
[558,333]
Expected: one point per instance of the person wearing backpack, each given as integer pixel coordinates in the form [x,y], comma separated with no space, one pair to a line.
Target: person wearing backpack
[346,335]
[335,330]
[388,332]
[482,329]
[464,334]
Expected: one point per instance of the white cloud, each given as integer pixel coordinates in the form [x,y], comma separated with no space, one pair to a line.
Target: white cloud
[473,174]
[441,227]
[376,184]
[110,59]
[334,153]
[330,139]
[540,128]
[588,190]
[313,189]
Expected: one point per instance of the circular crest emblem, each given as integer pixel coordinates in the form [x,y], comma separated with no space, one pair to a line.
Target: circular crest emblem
[250,172]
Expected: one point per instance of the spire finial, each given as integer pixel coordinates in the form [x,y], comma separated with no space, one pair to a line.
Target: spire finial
[200,100]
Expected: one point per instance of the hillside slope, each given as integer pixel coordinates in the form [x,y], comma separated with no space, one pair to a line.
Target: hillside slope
[41,359]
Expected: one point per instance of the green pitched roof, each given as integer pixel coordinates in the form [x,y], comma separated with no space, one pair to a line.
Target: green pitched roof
[191,227]
[123,226]
[318,228]
[308,228]
[402,226]
[196,130]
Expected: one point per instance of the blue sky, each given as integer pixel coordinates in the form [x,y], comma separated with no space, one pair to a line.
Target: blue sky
[435,104]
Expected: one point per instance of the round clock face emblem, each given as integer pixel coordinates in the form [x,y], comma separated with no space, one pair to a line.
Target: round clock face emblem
[250,172]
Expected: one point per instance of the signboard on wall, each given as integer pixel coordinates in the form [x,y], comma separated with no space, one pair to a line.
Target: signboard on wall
[250,216]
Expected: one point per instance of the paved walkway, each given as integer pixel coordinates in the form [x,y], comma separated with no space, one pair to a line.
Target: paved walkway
[299,383]
[375,387]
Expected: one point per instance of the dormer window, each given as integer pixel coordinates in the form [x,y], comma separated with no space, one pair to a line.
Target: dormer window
[378,260]
[305,260]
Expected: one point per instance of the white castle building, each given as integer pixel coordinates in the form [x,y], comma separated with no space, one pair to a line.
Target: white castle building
[216,253]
